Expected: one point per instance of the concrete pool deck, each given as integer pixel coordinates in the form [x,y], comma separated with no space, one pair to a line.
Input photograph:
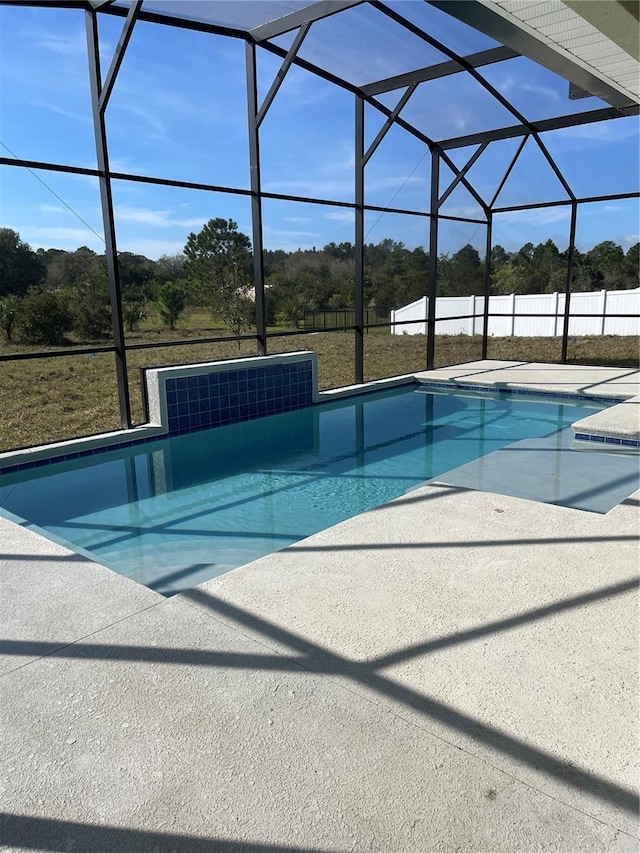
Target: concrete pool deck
[455,670]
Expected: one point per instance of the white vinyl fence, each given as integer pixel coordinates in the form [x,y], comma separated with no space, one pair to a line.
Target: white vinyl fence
[551,305]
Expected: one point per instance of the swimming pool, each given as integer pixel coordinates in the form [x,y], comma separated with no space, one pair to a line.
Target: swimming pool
[177,511]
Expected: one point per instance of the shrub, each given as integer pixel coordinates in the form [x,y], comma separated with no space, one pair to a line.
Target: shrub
[170,303]
[92,316]
[9,309]
[133,313]
[44,318]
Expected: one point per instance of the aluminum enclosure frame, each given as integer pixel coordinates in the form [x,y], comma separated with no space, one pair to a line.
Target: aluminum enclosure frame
[258,38]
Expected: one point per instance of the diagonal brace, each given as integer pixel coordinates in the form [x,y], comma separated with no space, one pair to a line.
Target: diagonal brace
[284,68]
[508,172]
[387,125]
[463,180]
[445,195]
[118,56]
[554,166]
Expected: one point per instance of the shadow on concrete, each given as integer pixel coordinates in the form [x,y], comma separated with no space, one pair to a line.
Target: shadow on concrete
[505,624]
[319,660]
[487,543]
[59,836]
[324,661]
[44,558]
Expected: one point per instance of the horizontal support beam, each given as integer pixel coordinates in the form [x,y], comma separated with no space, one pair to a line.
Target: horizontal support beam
[442,69]
[594,199]
[61,353]
[307,15]
[544,126]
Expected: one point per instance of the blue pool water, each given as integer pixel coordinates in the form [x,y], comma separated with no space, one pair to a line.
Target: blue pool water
[176,512]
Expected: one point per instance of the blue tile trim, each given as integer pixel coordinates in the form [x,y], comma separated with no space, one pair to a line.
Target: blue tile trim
[607,439]
[486,389]
[77,454]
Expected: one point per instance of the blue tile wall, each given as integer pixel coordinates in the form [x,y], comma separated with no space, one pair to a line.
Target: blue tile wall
[228,397]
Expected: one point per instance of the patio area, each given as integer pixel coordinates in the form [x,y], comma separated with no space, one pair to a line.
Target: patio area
[188,183]
[455,670]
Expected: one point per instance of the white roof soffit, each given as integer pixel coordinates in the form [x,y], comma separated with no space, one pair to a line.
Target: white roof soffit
[553,35]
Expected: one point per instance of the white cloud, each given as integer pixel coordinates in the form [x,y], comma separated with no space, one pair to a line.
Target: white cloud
[69,44]
[630,240]
[290,241]
[150,248]
[604,131]
[315,188]
[346,216]
[471,211]
[60,238]
[509,83]
[538,216]
[394,182]
[338,189]
[297,220]
[51,208]
[156,127]
[543,91]
[156,218]
[76,116]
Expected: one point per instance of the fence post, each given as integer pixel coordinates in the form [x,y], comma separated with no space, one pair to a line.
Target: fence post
[555,313]
[603,309]
[513,315]
[472,318]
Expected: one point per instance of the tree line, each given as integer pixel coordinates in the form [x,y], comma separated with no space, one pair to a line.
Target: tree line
[47,294]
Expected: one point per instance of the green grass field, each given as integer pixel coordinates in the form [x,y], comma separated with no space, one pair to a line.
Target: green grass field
[43,400]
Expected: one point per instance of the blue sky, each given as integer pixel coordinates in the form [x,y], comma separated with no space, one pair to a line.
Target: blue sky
[178,111]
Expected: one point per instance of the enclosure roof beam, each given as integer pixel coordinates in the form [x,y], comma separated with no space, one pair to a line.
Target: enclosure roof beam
[315,12]
[172,21]
[442,69]
[118,56]
[284,68]
[458,142]
[100,4]
[543,126]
